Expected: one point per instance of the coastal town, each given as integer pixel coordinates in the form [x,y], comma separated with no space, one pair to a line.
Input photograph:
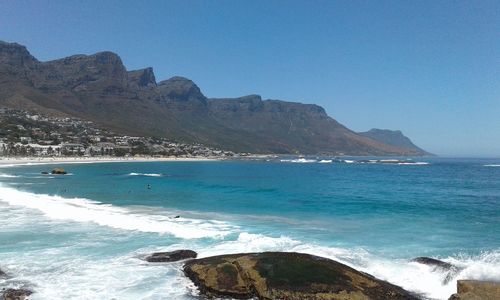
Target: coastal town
[24,134]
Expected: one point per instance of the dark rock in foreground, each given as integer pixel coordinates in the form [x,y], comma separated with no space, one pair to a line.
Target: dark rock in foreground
[59,171]
[16,294]
[476,290]
[433,262]
[171,256]
[439,265]
[283,275]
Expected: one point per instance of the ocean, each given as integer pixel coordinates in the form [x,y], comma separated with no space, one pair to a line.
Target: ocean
[84,235]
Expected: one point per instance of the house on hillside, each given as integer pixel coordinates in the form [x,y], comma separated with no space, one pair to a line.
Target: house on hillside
[72,149]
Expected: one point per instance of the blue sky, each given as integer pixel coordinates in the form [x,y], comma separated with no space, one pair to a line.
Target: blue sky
[428,68]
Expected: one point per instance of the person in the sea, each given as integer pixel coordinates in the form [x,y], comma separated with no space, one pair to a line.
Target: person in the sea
[149,186]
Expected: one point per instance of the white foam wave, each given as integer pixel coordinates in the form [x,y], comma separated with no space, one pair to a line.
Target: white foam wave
[418,163]
[299,160]
[325,161]
[492,165]
[71,276]
[85,210]
[74,278]
[145,174]
[412,276]
[8,176]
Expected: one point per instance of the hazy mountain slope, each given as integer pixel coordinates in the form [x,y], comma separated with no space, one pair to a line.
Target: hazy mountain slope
[99,88]
[392,137]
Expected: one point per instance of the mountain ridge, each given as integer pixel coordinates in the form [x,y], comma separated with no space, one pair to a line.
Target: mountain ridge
[99,88]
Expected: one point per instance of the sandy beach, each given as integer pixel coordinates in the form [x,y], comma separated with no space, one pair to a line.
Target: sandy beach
[11,161]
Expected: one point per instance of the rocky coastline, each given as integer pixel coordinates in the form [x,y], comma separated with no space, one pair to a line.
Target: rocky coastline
[290,276]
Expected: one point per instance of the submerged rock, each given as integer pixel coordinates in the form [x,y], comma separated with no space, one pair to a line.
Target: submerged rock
[476,290]
[2,274]
[285,275]
[59,171]
[439,265]
[171,256]
[16,294]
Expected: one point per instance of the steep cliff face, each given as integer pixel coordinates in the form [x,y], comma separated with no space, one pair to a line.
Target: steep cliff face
[101,72]
[99,88]
[144,78]
[15,57]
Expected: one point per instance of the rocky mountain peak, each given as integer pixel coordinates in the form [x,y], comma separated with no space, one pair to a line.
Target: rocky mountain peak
[180,89]
[14,54]
[251,98]
[85,72]
[142,78]
[99,64]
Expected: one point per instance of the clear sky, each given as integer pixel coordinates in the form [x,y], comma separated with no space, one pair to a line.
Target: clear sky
[428,68]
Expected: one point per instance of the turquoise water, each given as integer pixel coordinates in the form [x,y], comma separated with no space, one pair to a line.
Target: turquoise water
[82,236]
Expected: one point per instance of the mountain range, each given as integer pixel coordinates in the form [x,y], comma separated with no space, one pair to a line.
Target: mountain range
[99,88]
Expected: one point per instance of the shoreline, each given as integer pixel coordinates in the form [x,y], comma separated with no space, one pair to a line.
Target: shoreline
[18,161]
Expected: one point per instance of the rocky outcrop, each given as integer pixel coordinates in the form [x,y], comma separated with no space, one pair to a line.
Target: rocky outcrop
[476,290]
[16,294]
[171,256]
[59,171]
[284,275]
[441,266]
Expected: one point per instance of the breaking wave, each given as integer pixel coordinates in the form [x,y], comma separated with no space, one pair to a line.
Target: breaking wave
[145,174]
[85,210]
[299,160]
[8,176]
[418,163]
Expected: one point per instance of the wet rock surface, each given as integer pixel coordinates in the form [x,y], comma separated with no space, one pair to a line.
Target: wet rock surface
[285,275]
[59,171]
[171,256]
[16,294]
[433,262]
[439,265]
[476,290]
